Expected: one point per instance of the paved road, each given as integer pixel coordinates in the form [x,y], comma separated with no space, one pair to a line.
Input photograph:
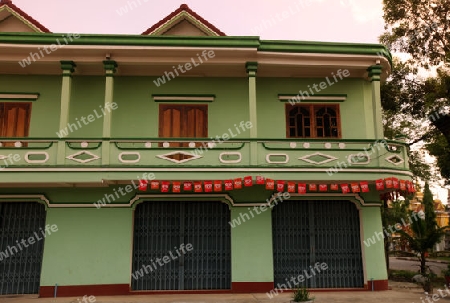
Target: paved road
[395,263]
[405,295]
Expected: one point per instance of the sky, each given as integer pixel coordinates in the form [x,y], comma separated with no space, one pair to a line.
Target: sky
[311,20]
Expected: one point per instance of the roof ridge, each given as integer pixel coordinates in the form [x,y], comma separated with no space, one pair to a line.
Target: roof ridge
[27,17]
[186,8]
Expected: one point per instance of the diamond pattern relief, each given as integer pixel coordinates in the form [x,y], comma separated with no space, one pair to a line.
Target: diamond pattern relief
[394,159]
[317,158]
[83,157]
[179,157]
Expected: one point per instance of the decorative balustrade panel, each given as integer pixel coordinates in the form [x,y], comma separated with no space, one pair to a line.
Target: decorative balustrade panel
[334,154]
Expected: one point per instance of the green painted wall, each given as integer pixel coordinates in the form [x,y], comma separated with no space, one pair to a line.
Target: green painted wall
[271,112]
[91,246]
[251,247]
[45,111]
[138,114]
[374,252]
[88,95]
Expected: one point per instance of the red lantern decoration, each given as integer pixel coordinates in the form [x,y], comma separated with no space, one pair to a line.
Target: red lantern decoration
[312,187]
[302,188]
[388,182]
[395,183]
[379,184]
[208,186]
[198,187]
[355,188]
[334,186]
[238,183]
[154,185]
[187,186]
[143,185]
[165,186]
[270,184]
[402,185]
[364,186]
[291,187]
[260,180]
[176,186]
[228,184]
[280,186]
[248,181]
[217,185]
[345,189]
[323,187]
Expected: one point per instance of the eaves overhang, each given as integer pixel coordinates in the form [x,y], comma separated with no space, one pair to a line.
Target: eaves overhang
[199,41]
[326,48]
[275,58]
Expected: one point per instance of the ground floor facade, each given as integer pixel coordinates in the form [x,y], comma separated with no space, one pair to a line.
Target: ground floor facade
[191,243]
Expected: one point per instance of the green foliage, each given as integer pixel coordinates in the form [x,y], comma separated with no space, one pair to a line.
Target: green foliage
[430,214]
[301,295]
[401,275]
[446,272]
[440,148]
[425,231]
[419,28]
[408,102]
[395,213]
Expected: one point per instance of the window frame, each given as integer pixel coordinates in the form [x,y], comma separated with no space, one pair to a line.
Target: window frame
[313,108]
[163,107]
[3,121]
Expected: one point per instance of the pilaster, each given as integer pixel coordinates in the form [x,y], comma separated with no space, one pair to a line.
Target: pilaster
[68,67]
[110,68]
[374,75]
[252,68]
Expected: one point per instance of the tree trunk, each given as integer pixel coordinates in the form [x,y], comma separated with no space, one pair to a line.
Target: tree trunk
[422,263]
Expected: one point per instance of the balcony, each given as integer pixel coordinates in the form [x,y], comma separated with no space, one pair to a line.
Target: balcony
[274,155]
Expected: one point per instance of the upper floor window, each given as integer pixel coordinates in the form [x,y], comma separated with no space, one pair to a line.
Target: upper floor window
[14,120]
[183,121]
[313,121]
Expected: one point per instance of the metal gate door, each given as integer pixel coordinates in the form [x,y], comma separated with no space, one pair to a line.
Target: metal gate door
[306,232]
[20,265]
[159,230]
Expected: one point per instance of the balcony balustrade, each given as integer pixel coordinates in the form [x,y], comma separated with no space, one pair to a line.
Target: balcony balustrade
[194,152]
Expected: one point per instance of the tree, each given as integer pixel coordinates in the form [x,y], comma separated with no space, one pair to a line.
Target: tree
[390,217]
[411,105]
[422,30]
[403,100]
[419,28]
[425,231]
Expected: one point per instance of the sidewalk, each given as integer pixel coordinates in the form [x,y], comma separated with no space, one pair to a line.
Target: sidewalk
[428,260]
[401,293]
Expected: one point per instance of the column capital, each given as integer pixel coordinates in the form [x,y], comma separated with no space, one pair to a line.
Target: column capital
[68,67]
[251,68]
[110,67]
[375,72]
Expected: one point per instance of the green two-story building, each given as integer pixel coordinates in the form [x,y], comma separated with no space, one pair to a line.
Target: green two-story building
[182,159]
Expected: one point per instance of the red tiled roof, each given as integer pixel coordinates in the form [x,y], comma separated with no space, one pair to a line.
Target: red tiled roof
[24,15]
[184,7]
